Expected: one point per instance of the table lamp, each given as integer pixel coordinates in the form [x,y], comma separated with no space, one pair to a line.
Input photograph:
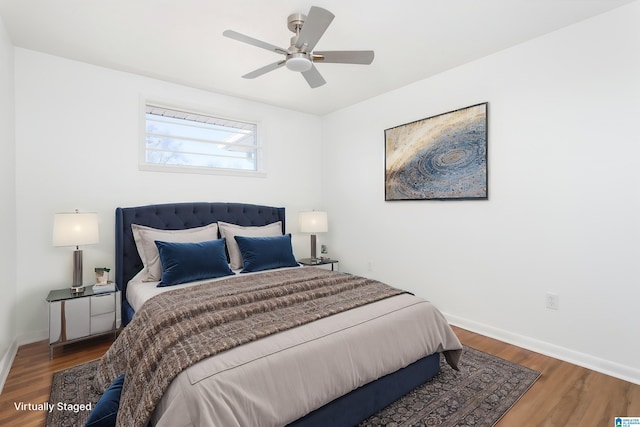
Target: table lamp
[75,229]
[313,222]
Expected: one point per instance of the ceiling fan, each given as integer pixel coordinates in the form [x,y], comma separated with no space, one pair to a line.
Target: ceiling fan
[300,56]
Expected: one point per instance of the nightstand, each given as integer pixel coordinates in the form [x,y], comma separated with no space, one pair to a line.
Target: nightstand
[309,262]
[74,317]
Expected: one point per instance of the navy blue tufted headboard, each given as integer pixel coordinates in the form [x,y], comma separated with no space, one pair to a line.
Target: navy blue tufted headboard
[176,216]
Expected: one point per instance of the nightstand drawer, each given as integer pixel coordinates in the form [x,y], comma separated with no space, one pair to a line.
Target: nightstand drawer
[103,323]
[103,304]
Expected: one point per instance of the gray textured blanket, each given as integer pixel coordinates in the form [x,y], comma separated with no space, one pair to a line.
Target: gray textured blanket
[177,329]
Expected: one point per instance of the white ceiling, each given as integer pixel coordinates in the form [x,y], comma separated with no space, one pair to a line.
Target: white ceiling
[181,40]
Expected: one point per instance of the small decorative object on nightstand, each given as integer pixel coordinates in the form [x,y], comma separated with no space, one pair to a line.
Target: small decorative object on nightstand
[315,262]
[76,316]
[102,275]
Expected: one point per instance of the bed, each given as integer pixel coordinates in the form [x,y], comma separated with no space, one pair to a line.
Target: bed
[355,359]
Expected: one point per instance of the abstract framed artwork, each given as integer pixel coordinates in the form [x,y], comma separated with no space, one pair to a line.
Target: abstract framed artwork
[443,157]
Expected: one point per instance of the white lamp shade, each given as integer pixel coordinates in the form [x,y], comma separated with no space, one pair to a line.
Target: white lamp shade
[313,222]
[75,229]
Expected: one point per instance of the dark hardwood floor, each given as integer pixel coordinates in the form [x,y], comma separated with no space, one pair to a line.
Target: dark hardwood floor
[565,394]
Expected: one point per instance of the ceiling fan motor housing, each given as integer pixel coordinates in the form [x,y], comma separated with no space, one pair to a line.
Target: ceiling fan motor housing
[297,60]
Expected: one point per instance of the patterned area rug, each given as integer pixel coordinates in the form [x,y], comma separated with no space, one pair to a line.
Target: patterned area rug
[478,395]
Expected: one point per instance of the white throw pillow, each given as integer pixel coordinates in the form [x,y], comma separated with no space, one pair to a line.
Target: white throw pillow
[145,238]
[229,231]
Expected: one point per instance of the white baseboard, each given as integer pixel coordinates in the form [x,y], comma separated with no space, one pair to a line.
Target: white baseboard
[606,367]
[6,362]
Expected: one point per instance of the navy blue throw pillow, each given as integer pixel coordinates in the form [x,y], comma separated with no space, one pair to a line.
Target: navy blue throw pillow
[266,253]
[187,262]
[106,410]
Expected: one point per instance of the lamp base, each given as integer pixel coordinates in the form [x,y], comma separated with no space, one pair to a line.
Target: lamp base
[77,286]
[313,248]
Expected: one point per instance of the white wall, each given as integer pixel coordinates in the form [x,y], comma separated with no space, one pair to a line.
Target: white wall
[563,197]
[77,130]
[8,206]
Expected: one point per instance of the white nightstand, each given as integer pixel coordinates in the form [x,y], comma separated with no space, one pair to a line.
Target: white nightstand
[74,317]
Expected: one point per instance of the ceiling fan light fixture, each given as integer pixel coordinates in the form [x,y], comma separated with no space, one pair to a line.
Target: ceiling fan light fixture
[299,62]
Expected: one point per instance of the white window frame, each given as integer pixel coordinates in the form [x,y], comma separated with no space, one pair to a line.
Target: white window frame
[143,165]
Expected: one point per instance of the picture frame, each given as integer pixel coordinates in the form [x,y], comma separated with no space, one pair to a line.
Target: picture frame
[443,157]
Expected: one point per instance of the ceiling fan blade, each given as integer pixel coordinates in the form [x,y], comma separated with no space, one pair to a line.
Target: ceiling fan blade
[264,70]
[254,42]
[313,77]
[314,26]
[344,56]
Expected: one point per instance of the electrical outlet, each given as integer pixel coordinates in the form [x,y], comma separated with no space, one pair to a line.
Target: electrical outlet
[553,301]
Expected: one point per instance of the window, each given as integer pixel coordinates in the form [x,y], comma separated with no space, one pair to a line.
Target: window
[184,141]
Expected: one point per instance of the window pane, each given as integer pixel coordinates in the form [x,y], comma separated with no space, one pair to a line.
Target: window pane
[180,138]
